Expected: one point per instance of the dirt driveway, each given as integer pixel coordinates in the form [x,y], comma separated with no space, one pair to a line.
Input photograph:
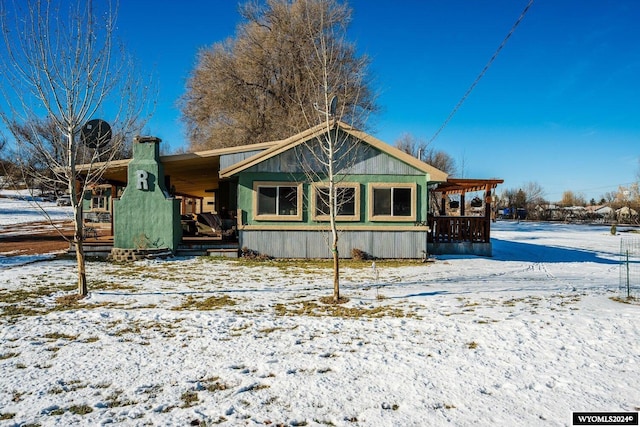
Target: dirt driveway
[35,238]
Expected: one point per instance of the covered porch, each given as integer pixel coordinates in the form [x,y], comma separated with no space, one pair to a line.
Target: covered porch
[461,226]
[206,206]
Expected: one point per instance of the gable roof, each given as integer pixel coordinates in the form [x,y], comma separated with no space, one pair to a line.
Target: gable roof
[435,175]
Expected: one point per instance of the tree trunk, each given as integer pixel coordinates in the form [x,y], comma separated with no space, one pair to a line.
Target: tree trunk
[82,275]
[76,195]
[78,240]
[336,270]
[333,212]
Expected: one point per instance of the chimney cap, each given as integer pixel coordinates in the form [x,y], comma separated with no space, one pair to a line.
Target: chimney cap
[146,139]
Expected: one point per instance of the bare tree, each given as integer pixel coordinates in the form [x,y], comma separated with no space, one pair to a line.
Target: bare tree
[514,200]
[250,88]
[419,148]
[411,145]
[6,166]
[333,91]
[609,197]
[534,193]
[570,198]
[440,160]
[62,68]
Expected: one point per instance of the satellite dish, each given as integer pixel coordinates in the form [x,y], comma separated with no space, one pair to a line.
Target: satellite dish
[95,133]
[333,104]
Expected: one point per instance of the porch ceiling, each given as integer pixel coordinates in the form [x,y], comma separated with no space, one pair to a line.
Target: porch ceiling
[191,174]
[196,176]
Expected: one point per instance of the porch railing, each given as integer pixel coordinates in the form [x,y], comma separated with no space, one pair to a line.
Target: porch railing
[456,229]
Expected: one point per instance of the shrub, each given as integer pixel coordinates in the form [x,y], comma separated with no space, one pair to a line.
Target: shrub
[360,255]
[253,255]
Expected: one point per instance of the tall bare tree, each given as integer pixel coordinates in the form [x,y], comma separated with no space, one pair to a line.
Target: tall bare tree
[62,68]
[534,193]
[250,88]
[329,93]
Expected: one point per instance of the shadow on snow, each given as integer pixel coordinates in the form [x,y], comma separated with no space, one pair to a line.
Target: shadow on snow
[505,250]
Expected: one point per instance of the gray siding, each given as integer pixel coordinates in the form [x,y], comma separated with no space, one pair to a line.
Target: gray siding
[227,160]
[381,164]
[315,244]
[362,161]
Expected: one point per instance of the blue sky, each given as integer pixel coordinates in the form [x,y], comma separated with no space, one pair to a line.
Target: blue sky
[559,106]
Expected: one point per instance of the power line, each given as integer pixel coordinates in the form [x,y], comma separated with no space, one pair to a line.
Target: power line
[484,70]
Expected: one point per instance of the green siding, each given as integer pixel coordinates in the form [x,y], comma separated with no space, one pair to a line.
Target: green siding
[146,218]
[88,196]
[86,201]
[246,196]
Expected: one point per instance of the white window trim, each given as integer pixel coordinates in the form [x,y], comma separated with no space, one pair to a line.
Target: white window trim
[381,185]
[354,217]
[277,217]
[96,207]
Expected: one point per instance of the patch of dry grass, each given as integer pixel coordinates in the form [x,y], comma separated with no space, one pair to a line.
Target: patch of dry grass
[211,303]
[312,308]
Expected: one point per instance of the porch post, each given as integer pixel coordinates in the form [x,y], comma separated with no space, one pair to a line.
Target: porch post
[114,193]
[487,213]
[487,202]
[462,203]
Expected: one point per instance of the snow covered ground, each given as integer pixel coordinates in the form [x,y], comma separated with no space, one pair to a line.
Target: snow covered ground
[524,338]
[18,207]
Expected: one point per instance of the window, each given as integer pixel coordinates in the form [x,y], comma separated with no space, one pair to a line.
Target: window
[275,201]
[347,202]
[392,202]
[99,203]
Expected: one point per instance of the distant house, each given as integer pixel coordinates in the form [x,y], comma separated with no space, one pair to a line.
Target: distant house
[260,197]
[627,215]
[600,213]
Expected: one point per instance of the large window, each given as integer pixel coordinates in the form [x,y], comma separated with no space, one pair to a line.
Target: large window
[392,202]
[347,197]
[278,201]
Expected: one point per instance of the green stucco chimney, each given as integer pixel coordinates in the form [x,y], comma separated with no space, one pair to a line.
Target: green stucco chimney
[146,217]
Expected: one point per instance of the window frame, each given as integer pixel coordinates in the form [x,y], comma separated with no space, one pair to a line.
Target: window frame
[96,206]
[392,185]
[323,218]
[277,217]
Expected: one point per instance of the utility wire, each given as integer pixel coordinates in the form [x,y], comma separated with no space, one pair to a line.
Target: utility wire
[484,70]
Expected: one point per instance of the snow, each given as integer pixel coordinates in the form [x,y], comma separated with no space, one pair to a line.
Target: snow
[524,338]
[19,207]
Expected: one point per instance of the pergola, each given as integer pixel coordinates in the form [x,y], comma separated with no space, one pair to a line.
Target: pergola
[463,186]
[462,228]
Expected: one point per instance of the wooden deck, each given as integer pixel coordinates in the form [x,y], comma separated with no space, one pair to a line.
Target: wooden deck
[459,229]
[100,245]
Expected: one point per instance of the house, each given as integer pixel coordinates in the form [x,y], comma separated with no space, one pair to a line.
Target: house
[282,214]
[600,213]
[272,198]
[627,215]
